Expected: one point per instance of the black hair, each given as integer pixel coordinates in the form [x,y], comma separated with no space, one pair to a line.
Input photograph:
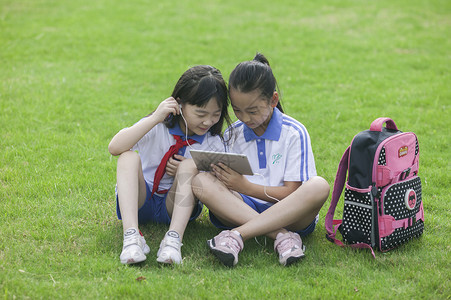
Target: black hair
[197,86]
[254,75]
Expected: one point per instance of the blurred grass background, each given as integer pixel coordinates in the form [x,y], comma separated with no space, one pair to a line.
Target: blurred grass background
[73,73]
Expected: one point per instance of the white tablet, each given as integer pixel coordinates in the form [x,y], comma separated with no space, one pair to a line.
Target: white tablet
[237,162]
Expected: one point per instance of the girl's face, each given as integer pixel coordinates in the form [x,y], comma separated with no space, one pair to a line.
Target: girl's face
[200,119]
[253,109]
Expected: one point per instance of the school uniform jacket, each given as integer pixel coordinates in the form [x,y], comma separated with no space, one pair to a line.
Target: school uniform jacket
[282,153]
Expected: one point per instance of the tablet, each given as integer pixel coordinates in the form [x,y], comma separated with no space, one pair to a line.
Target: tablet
[237,162]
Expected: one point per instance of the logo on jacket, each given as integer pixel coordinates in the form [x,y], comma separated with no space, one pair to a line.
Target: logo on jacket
[275,158]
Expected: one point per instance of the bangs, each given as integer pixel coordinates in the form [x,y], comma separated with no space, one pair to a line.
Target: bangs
[208,88]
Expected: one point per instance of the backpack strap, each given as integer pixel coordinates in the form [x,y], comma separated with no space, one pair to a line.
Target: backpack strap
[377,124]
[336,193]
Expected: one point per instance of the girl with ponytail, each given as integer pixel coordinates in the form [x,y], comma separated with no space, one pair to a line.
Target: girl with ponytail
[284,196]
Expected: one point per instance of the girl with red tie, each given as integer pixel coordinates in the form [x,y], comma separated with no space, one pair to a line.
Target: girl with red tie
[153,170]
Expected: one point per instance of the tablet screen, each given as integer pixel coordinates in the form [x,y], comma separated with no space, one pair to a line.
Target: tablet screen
[237,162]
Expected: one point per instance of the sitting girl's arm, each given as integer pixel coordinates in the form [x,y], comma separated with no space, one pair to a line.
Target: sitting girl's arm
[125,139]
[240,184]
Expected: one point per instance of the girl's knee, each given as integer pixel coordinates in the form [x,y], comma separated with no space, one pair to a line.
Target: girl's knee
[200,183]
[315,191]
[203,177]
[187,165]
[196,185]
[321,188]
[128,157]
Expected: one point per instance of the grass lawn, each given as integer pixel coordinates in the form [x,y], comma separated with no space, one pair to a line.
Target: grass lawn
[73,73]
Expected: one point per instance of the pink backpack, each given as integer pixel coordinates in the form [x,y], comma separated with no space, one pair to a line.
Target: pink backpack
[382,202]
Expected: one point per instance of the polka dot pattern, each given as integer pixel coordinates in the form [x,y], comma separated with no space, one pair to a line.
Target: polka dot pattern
[394,201]
[357,212]
[362,198]
[356,226]
[360,213]
[382,161]
[394,205]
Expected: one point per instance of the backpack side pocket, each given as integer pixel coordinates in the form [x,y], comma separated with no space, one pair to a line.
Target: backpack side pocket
[401,217]
[357,216]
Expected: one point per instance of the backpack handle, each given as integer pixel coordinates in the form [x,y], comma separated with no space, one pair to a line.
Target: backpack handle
[377,124]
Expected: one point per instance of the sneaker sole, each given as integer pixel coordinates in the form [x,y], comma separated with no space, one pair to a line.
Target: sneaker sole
[294,259]
[162,261]
[168,261]
[226,258]
[133,261]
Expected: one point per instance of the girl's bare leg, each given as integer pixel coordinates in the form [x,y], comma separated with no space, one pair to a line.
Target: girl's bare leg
[295,212]
[180,201]
[227,206]
[131,188]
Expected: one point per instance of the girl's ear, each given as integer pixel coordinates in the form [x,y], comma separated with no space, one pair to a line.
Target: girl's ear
[274,99]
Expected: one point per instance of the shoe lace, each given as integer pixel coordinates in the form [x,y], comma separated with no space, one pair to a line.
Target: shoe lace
[132,240]
[286,245]
[171,242]
[230,241]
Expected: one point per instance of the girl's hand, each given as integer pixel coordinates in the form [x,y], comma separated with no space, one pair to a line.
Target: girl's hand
[173,164]
[166,107]
[231,179]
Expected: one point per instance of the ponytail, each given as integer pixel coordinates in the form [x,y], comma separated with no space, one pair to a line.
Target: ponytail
[261,58]
[254,75]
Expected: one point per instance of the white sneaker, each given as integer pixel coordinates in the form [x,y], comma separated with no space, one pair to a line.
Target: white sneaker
[135,247]
[169,252]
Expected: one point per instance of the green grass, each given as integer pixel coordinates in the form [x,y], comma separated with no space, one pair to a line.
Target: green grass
[72,73]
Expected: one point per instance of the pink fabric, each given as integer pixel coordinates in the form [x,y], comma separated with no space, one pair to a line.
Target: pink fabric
[388,224]
[336,193]
[367,190]
[415,166]
[420,213]
[383,175]
[400,156]
[364,246]
[377,124]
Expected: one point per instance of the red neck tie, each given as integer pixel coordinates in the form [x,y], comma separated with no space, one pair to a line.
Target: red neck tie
[162,167]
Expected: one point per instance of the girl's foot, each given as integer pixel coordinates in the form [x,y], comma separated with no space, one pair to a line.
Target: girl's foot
[170,252]
[226,246]
[135,247]
[290,248]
